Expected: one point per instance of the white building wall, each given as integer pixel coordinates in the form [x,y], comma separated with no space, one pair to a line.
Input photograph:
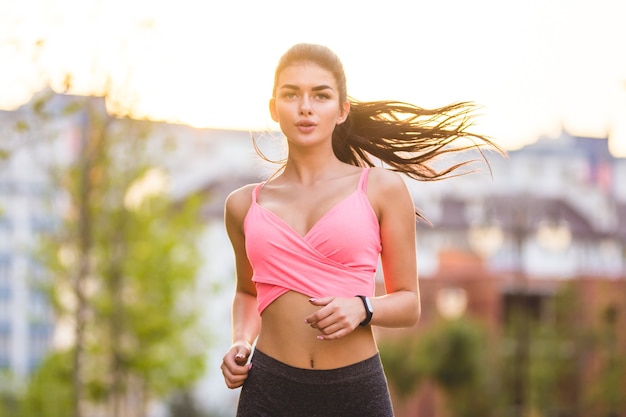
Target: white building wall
[24,192]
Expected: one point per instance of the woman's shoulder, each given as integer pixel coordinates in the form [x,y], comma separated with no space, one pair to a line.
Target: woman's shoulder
[238,201]
[383,180]
[387,190]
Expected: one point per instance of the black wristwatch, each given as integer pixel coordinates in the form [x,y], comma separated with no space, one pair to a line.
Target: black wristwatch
[369,310]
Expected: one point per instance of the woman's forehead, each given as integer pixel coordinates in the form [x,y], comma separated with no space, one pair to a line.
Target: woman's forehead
[306,73]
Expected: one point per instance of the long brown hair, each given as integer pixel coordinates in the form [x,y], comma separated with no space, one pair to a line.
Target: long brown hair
[402,136]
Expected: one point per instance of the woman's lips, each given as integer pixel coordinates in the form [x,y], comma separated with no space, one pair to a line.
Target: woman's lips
[305,127]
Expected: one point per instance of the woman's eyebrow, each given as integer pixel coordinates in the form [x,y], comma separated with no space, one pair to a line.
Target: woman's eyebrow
[322,87]
[316,88]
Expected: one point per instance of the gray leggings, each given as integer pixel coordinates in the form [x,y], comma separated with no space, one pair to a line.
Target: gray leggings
[275,389]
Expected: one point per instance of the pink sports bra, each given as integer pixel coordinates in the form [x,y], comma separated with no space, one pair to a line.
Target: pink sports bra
[337,257]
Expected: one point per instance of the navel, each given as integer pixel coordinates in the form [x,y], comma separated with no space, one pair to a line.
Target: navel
[312,364]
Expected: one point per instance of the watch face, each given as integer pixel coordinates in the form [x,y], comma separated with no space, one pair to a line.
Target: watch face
[368,303]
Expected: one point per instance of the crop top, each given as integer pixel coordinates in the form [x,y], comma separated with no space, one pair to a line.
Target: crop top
[338,256]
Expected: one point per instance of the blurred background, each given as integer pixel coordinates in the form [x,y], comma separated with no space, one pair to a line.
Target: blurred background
[124,126]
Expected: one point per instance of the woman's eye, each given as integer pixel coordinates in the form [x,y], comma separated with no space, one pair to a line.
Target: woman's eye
[322,96]
[289,95]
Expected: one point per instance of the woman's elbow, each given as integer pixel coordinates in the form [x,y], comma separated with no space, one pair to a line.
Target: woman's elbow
[414,318]
[415,311]
[410,313]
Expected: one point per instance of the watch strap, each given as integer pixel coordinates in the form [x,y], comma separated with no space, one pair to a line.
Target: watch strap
[368,310]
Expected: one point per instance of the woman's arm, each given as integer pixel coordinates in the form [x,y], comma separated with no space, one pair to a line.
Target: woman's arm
[400,307]
[245,318]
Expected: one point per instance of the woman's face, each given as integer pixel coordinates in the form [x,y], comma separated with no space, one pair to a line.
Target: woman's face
[306,104]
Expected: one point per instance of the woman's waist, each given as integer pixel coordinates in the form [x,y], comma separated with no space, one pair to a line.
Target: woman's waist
[288,338]
[365,369]
[311,353]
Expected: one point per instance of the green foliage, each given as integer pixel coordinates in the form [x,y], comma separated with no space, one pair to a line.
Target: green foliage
[553,351]
[49,392]
[141,336]
[574,365]
[160,265]
[154,300]
[606,395]
[21,126]
[182,404]
[452,354]
[9,397]
[405,363]
[454,349]
[459,363]
[5,154]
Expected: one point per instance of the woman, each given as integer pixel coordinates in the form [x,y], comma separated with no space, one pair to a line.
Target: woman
[308,240]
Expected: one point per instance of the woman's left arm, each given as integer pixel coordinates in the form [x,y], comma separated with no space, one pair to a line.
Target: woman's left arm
[390,197]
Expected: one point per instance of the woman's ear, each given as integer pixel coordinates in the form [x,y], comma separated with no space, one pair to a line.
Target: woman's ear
[273,112]
[344,113]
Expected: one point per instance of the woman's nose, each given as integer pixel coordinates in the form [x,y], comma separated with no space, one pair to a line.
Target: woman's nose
[305,105]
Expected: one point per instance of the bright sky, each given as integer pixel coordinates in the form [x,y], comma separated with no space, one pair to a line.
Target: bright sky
[533,66]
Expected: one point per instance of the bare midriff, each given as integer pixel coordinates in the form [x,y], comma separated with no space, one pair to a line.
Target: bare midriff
[287,338]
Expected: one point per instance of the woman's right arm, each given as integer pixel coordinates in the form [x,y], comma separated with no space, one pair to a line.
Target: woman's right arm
[245,318]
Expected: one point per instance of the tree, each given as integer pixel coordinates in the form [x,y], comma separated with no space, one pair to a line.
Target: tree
[453,355]
[405,364]
[459,363]
[47,394]
[124,263]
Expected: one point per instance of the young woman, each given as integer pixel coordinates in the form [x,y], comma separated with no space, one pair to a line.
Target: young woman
[307,243]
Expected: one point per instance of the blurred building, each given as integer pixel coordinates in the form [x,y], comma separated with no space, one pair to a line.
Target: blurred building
[566,185]
[27,209]
[551,212]
[508,241]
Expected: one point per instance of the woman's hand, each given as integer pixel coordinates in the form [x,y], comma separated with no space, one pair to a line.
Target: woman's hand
[235,366]
[337,317]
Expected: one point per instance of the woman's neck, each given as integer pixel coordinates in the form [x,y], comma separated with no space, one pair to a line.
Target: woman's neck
[311,168]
